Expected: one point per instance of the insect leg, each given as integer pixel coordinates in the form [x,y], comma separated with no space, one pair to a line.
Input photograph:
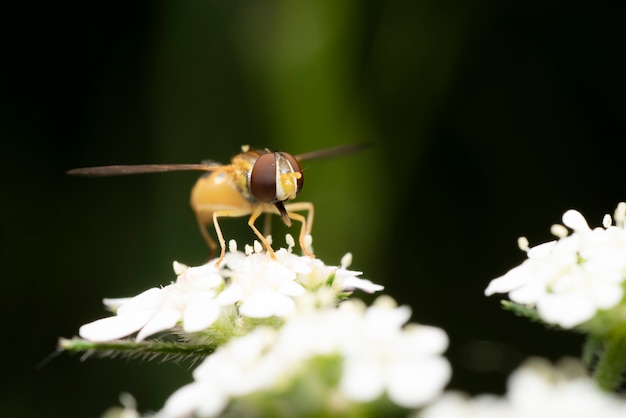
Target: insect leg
[203,224]
[220,237]
[307,223]
[255,214]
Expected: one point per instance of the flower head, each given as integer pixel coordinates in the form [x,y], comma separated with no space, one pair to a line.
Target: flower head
[570,279]
[253,283]
[375,353]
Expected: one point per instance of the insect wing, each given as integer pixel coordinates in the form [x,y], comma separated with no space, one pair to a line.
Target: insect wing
[333,152]
[120,170]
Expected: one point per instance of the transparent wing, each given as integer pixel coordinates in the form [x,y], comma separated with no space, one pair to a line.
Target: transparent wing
[333,152]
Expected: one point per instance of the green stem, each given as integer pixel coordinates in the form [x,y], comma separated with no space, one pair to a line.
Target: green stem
[171,350]
[593,346]
[612,363]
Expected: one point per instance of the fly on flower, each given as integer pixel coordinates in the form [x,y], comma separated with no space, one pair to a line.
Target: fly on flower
[255,182]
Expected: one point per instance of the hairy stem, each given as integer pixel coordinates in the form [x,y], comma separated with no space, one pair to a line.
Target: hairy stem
[151,349]
[611,364]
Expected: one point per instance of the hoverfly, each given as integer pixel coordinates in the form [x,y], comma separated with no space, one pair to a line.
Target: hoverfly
[255,182]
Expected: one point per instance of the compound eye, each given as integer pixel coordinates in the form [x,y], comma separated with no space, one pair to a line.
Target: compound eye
[263,178]
[297,168]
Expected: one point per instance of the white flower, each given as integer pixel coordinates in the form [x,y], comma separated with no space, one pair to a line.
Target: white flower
[262,287]
[568,280]
[535,390]
[317,274]
[252,282]
[378,356]
[190,300]
[381,356]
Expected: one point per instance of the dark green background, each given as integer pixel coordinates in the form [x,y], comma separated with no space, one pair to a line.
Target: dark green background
[488,120]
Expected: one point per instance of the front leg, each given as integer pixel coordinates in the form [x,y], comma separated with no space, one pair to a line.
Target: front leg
[307,223]
[255,214]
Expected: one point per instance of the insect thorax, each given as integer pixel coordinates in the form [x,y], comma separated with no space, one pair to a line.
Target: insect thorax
[242,165]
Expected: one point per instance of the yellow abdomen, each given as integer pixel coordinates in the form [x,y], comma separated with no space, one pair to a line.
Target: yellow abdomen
[217,191]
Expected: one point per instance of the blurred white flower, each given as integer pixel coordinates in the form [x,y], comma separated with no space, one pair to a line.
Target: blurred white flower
[127,410]
[535,390]
[257,285]
[568,280]
[381,356]
[378,356]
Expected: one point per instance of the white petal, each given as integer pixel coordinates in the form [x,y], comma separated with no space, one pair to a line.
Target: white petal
[362,381]
[200,315]
[113,304]
[114,327]
[165,317]
[541,251]
[460,405]
[231,295]
[425,339]
[528,294]
[205,275]
[265,303]
[291,288]
[148,300]
[414,383]
[205,399]
[350,282]
[382,320]
[566,310]
[512,280]
[606,295]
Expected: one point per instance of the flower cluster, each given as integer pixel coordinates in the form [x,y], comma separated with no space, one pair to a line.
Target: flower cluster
[286,340]
[375,356]
[536,389]
[257,285]
[304,334]
[572,278]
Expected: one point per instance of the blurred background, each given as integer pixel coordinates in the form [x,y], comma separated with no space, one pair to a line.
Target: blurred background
[487,121]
